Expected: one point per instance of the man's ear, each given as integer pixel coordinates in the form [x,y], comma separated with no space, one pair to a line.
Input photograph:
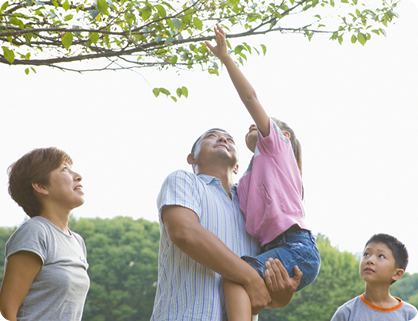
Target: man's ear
[235,171]
[41,189]
[398,274]
[190,159]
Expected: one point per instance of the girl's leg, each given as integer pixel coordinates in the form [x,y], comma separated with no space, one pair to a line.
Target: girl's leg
[238,305]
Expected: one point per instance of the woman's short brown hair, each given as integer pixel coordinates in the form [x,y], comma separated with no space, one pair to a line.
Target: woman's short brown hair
[33,168]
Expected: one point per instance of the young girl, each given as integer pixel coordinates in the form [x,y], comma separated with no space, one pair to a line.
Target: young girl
[46,268]
[270,194]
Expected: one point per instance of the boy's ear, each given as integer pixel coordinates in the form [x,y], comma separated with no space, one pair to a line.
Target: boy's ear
[235,170]
[398,274]
[190,159]
[41,189]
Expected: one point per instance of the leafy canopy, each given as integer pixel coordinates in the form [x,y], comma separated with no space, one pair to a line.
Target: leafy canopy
[138,34]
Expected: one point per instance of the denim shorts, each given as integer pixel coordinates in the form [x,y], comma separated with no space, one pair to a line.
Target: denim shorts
[293,247]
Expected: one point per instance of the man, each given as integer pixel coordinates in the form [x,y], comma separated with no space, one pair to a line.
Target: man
[203,236]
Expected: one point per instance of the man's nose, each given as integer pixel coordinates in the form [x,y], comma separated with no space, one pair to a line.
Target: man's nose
[222,139]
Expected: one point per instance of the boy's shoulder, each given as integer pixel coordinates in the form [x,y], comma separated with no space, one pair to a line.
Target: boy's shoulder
[360,309]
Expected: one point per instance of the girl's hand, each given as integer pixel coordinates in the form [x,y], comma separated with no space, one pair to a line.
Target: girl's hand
[221,49]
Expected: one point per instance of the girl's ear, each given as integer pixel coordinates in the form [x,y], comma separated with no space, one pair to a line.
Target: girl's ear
[286,133]
[41,189]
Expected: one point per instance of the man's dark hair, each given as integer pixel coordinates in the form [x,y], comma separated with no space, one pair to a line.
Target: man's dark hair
[209,130]
[398,249]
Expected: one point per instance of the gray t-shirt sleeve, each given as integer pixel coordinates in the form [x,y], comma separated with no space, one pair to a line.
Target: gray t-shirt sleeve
[340,314]
[30,236]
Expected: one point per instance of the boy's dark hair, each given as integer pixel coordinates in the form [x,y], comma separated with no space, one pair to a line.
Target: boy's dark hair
[398,249]
[209,130]
[33,168]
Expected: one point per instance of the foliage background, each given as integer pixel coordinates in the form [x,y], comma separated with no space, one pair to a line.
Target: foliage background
[123,257]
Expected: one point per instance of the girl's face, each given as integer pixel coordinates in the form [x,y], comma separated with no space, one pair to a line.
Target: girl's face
[251,137]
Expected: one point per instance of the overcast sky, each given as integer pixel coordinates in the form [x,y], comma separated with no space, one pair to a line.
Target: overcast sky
[354,109]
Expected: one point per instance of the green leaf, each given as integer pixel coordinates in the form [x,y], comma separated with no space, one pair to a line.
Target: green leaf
[173,60]
[353,39]
[27,71]
[197,23]
[340,40]
[8,54]
[33,69]
[156,92]
[264,49]
[164,91]
[67,40]
[185,91]
[161,11]
[29,2]
[94,13]
[4,6]
[179,92]
[94,37]
[102,5]
[174,98]
[145,13]
[69,17]
[176,23]
[169,40]
[66,5]
[361,38]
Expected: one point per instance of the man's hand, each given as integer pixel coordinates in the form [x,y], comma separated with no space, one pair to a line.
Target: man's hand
[221,49]
[258,293]
[279,284]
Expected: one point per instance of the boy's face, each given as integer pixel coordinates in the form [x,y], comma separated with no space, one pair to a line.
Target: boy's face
[377,265]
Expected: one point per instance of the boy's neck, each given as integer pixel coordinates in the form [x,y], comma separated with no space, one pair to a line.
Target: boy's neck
[379,295]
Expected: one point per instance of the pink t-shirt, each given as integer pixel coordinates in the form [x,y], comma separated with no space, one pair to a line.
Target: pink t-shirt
[270,191]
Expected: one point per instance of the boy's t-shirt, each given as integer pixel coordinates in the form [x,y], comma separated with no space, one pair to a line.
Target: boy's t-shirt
[359,309]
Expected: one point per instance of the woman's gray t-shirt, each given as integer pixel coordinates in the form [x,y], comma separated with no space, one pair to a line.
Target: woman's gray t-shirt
[59,290]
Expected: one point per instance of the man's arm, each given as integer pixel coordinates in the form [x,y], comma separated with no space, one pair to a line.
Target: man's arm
[242,85]
[184,229]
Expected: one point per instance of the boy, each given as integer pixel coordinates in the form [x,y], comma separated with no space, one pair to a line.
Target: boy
[384,262]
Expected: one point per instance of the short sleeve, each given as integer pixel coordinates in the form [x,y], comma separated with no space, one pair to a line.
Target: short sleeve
[180,188]
[340,315]
[274,143]
[31,237]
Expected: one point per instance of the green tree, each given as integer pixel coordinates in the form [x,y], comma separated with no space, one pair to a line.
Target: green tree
[406,288]
[141,33]
[123,258]
[338,281]
[5,233]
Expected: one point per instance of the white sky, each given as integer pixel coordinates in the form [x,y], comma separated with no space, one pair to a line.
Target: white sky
[354,109]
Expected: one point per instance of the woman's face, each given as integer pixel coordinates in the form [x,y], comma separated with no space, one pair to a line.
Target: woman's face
[64,187]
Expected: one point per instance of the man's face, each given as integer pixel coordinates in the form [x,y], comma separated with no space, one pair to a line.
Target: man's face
[214,145]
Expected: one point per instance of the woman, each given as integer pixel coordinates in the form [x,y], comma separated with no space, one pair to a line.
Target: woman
[46,268]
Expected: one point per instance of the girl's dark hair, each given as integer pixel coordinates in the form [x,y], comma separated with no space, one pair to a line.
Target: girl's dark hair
[297,149]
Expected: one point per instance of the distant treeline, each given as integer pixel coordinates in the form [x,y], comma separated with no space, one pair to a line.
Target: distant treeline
[123,257]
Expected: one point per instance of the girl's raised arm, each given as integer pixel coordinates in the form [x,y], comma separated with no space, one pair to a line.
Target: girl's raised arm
[242,85]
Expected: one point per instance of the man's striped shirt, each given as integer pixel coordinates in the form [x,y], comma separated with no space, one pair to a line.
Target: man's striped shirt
[187,290]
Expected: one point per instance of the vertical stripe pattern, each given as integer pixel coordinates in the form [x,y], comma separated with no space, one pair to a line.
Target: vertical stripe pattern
[186,290]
